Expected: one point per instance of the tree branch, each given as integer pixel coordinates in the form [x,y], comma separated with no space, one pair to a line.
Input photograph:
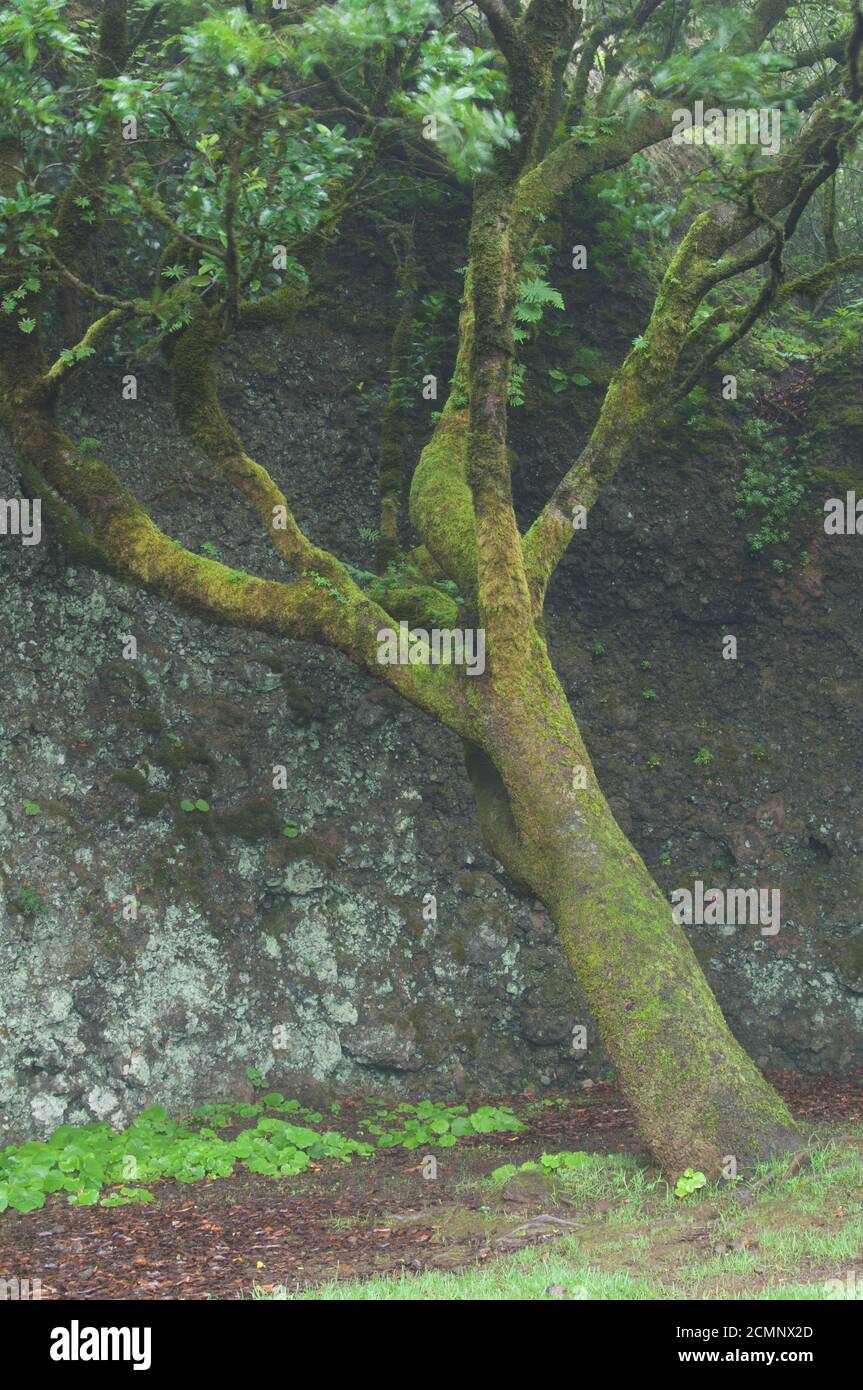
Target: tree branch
[649,367]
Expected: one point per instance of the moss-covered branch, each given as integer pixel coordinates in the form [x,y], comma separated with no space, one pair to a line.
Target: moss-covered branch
[200,415]
[699,264]
[579,158]
[151,205]
[635,387]
[124,540]
[502,596]
[441,505]
[95,338]
[839,135]
[70,278]
[584,67]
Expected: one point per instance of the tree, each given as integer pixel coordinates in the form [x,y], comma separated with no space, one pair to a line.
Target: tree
[238,177]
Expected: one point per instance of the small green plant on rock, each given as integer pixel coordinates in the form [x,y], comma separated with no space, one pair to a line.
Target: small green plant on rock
[28,903]
[771,488]
[321,582]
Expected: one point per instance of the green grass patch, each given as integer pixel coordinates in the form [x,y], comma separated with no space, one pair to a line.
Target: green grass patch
[532,1274]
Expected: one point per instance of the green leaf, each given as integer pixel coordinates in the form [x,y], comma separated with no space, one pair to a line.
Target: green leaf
[24,1199]
[575,1159]
[84,1197]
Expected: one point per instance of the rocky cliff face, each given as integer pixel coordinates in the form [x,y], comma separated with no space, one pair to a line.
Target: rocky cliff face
[151,953]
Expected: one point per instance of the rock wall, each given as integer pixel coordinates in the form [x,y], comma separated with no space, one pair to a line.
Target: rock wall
[154,954]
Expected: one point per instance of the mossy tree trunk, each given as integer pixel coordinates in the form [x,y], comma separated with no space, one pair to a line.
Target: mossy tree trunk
[698,1098]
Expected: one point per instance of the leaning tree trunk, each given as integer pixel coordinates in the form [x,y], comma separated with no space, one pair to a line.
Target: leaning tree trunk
[698,1098]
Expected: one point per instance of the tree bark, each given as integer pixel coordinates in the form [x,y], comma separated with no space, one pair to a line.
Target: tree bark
[697,1097]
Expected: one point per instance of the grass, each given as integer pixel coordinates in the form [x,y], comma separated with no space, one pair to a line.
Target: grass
[531,1275]
[778,1235]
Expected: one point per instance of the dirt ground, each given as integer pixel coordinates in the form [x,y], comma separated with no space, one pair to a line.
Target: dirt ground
[216,1239]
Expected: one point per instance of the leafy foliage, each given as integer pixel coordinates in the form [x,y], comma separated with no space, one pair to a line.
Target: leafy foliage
[535,295]
[843,324]
[442,1125]
[771,488]
[715,67]
[82,1161]
[688,1182]
[564,1161]
[356,26]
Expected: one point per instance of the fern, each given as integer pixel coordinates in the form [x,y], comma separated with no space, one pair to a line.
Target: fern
[515,391]
[534,297]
